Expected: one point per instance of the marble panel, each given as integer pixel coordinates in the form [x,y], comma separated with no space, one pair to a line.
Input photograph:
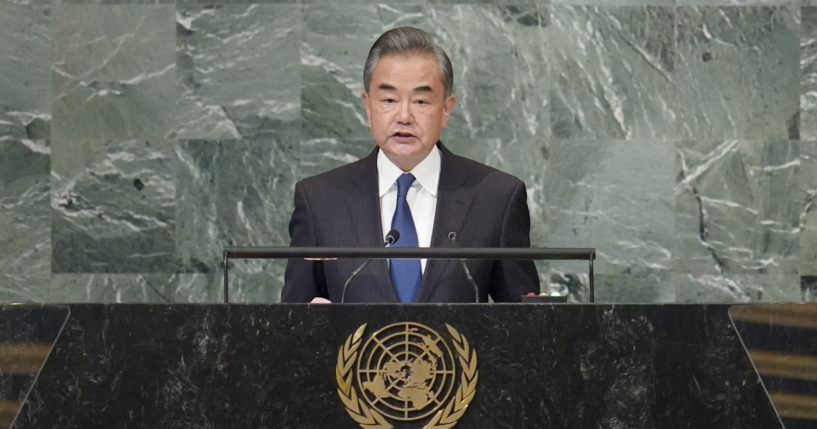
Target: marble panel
[737,218]
[237,70]
[737,2]
[255,281]
[107,2]
[25,101]
[113,71]
[317,155]
[235,192]
[808,74]
[230,3]
[615,196]
[395,4]
[737,73]
[158,288]
[700,287]
[635,286]
[113,206]
[25,221]
[808,208]
[615,2]
[613,72]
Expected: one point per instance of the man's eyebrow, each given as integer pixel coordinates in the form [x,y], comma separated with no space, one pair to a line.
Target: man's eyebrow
[389,87]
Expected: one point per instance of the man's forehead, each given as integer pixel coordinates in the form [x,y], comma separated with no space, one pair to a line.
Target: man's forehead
[424,73]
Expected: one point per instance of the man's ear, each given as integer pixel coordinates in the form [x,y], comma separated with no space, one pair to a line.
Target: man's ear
[367,106]
[448,106]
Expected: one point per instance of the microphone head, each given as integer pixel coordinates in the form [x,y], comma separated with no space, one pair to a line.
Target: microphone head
[392,236]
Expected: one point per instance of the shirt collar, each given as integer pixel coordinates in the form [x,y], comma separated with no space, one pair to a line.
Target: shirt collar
[426,173]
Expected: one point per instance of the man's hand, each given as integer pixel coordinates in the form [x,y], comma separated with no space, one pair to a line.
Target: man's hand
[319,300]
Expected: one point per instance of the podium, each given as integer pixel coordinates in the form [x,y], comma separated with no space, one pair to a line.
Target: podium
[284,366]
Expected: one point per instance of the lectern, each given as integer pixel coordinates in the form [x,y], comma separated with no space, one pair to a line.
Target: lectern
[412,366]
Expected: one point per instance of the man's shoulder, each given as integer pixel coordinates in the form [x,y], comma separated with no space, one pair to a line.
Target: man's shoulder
[483,173]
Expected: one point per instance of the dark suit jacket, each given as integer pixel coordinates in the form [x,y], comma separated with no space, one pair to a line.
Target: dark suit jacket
[341,208]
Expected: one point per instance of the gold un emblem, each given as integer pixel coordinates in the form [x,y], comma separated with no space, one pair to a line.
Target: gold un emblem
[406,372]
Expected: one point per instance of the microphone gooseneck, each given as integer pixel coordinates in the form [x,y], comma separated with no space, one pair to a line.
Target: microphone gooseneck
[391,238]
[452,236]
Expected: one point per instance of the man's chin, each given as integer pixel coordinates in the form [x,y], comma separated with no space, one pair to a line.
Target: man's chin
[403,149]
[405,156]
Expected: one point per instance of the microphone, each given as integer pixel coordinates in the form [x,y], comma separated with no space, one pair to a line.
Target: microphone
[452,237]
[391,238]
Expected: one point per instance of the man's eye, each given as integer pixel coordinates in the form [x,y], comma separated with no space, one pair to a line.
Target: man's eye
[388,100]
[422,102]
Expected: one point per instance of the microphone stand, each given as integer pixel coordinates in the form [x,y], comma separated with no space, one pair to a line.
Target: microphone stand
[452,236]
[391,238]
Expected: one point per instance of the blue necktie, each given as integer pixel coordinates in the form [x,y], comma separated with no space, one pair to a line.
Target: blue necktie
[405,273]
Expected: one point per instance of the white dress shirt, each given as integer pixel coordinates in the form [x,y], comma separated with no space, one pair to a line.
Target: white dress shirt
[421,197]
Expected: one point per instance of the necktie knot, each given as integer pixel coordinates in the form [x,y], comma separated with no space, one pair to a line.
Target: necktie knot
[404,183]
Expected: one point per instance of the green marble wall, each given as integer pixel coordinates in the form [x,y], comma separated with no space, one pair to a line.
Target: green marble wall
[679,137]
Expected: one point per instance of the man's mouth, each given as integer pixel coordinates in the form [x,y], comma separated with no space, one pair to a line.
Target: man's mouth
[402,135]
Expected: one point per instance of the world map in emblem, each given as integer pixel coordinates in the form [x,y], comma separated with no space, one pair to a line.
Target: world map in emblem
[406,371]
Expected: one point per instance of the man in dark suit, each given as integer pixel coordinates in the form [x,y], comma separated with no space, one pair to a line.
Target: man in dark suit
[412,183]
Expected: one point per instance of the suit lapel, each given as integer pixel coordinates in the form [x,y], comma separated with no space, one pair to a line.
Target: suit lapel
[453,202]
[363,205]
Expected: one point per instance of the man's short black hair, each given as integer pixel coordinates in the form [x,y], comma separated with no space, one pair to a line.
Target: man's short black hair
[407,40]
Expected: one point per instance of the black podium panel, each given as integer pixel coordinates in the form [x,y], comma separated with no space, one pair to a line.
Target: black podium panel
[277,366]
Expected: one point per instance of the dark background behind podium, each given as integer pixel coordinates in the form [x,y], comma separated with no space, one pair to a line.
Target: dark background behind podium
[676,136]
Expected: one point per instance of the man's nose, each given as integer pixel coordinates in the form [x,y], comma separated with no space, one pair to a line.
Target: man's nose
[404,114]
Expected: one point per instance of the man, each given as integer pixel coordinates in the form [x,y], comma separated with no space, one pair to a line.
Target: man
[410,182]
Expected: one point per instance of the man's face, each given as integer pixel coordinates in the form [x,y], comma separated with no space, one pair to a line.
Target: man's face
[407,107]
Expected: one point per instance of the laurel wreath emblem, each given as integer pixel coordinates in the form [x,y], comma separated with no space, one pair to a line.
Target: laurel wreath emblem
[369,418]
